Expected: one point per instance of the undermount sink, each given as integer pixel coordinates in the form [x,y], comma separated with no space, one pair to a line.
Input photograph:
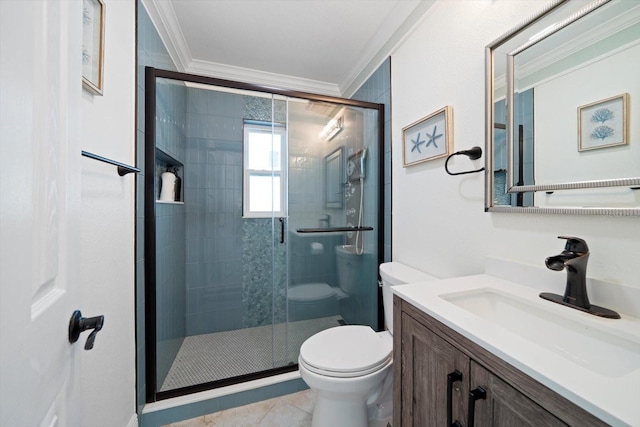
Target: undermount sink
[572,337]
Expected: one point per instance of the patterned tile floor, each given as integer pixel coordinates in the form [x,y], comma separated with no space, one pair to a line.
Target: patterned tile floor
[292,410]
[210,357]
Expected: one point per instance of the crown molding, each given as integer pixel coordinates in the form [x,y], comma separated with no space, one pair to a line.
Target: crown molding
[385,43]
[164,19]
[403,19]
[262,78]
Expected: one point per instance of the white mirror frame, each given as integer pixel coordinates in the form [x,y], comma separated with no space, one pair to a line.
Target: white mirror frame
[490,122]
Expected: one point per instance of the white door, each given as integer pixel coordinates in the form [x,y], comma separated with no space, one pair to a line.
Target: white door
[40,94]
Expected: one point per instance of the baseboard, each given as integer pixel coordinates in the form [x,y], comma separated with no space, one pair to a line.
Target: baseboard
[133,422]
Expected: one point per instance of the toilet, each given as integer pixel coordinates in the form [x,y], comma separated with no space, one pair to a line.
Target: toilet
[349,367]
[317,299]
[312,300]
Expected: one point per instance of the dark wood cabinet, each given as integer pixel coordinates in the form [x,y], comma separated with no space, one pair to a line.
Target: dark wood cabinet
[504,405]
[427,361]
[437,370]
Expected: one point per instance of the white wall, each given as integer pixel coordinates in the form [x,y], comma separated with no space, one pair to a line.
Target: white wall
[558,145]
[107,229]
[439,223]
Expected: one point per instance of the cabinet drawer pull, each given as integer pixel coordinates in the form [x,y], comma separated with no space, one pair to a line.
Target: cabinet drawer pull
[478,393]
[452,377]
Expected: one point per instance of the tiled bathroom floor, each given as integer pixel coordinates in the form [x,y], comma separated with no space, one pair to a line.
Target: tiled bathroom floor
[292,410]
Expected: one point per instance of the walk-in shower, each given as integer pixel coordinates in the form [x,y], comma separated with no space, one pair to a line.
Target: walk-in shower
[273,230]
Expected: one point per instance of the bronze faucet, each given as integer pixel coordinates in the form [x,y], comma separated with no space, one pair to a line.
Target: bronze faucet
[574,259]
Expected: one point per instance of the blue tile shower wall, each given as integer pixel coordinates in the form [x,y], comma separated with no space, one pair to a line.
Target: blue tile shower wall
[377,89]
[523,115]
[213,200]
[170,230]
[150,52]
[235,272]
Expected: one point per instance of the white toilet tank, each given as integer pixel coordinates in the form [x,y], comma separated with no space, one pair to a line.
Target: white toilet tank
[392,274]
[349,265]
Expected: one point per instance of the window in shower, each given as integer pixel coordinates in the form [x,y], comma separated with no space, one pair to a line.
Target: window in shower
[263,177]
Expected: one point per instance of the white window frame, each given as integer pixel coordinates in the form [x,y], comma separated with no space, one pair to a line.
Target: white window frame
[273,129]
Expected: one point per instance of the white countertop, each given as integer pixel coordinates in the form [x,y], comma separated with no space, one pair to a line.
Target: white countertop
[604,380]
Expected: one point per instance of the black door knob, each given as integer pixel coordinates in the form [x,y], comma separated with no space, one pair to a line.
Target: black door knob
[79,324]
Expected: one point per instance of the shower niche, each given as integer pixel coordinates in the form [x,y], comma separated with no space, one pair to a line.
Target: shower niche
[166,163]
[232,287]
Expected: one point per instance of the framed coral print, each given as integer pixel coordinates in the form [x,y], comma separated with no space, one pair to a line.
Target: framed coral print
[428,139]
[603,124]
[92,45]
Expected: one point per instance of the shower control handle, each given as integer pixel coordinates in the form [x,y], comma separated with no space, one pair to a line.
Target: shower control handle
[79,324]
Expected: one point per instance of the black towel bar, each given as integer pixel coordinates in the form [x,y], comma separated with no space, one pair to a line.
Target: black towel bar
[122,168]
[333,229]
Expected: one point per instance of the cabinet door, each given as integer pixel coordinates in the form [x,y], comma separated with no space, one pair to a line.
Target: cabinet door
[504,405]
[426,361]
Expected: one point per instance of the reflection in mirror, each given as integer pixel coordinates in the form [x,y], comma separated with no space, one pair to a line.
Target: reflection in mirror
[334,178]
[560,91]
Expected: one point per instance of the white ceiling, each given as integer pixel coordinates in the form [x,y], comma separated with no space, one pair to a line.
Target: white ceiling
[321,46]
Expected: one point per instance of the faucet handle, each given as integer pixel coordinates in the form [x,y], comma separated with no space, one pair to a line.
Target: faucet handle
[575,245]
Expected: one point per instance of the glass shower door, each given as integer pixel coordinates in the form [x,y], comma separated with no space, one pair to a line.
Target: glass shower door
[262,224]
[220,271]
[333,206]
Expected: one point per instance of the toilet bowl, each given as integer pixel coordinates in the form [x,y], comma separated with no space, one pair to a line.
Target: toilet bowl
[311,301]
[347,365]
[318,299]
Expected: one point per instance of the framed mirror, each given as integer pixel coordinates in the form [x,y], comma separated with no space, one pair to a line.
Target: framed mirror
[562,100]
[334,179]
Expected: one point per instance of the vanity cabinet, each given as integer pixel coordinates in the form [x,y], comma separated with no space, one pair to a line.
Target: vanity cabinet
[437,370]
[504,405]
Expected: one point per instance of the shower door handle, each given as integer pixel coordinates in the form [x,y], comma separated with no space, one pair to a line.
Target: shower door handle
[281,219]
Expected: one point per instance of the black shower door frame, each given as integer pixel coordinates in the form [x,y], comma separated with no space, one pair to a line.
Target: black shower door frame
[151,74]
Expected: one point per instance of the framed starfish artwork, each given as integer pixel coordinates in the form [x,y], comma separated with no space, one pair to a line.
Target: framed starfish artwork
[429,138]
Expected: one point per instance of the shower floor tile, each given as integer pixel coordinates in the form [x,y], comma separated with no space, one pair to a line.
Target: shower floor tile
[210,357]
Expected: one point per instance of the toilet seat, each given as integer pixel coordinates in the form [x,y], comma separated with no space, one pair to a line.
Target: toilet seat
[309,292]
[346,352]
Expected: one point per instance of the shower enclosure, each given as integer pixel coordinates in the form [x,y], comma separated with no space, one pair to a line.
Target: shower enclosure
[263,226]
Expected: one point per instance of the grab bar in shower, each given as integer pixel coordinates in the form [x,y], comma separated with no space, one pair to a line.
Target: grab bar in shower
[333,229]
[122,168]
